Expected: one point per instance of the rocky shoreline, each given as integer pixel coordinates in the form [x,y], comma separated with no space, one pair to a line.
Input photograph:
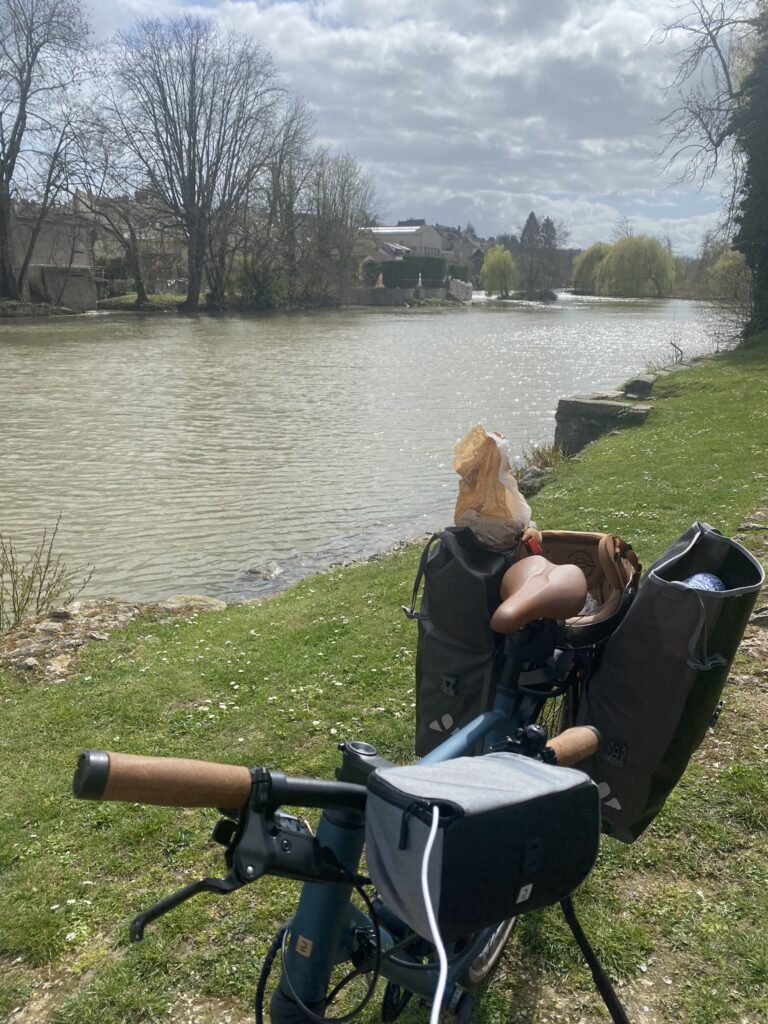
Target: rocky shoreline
[44,647]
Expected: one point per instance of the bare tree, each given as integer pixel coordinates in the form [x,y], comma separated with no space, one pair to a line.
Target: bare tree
[622,228]
[265,217]
[197,107]
[40,41]
[697,134]
[343,201]
[287,231]
[105,177]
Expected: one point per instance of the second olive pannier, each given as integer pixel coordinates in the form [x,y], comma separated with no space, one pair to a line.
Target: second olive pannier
[660,675]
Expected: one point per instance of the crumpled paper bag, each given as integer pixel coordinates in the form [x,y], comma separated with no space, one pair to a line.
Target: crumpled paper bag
[488,500]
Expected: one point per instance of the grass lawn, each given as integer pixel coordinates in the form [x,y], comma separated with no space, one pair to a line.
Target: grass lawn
[679,918]
[159,303]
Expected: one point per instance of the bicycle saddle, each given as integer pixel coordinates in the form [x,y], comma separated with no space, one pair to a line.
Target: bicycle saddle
[535,588]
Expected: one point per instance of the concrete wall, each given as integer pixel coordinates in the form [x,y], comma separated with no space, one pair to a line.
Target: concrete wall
[584,418]
[378,296]
[460,290]
[62,239]
[74,288]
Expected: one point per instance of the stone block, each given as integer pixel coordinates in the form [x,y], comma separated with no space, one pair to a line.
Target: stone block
[580,420]
[640,387]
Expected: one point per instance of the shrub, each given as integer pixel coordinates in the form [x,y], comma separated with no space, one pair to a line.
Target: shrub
[461,270]
[32,585]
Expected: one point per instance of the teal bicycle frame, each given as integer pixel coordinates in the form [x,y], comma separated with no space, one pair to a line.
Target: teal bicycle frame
[327,926]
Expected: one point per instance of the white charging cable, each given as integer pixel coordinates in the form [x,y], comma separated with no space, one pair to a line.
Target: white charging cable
[436,938]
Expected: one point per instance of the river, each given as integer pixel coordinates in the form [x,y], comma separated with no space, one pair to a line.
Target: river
[228,456]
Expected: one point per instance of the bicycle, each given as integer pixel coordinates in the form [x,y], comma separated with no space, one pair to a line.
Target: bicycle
[328,931]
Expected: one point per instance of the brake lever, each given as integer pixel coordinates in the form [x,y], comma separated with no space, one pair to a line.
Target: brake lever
[220,885]
[262,841]
[529,740]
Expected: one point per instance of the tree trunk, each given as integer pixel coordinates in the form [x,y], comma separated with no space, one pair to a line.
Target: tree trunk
[195,261]
[217,279]
[9,288]
[21,278]
[141,292]
[132,252]
[758,321]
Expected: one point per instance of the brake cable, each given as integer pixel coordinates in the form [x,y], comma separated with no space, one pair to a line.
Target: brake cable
[345,1018]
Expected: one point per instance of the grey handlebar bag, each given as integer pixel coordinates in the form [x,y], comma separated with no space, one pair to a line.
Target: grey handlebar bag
[514,835]
[659,680]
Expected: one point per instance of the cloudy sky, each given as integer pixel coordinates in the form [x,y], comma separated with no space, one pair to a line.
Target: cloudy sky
[479,111]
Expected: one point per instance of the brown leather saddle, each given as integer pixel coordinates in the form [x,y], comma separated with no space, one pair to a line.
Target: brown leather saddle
[535,588]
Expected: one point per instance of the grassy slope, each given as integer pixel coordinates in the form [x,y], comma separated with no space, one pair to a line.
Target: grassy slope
[280,683]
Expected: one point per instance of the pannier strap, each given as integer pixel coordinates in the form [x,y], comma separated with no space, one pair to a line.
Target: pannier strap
[625,550]
[600,978]
[707,661]
[411,612]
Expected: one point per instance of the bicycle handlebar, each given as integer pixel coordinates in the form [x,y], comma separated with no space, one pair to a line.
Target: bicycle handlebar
[575,744]
[181,782]
[167,781]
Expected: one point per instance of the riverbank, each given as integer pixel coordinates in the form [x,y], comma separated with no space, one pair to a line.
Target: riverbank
[400,299]
[12,310]
[677,918]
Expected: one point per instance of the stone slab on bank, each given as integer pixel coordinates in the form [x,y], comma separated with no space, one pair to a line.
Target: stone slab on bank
[582,419]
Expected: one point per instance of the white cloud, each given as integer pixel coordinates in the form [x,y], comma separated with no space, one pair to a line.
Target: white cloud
[484,110]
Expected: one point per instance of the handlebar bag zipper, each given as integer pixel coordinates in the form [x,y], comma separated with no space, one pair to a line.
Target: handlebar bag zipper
[514,835]
[657,684]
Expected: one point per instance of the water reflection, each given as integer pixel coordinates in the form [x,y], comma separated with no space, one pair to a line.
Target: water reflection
[183,452]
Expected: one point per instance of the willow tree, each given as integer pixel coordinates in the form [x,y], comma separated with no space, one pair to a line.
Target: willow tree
[587,267]
[637,267]
[198,107]
[499,274]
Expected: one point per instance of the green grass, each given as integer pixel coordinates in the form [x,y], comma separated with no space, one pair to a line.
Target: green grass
[128,301]
[678,918]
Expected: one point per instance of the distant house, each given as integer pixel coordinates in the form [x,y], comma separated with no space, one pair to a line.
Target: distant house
[419,239]
[391,251]
[61,240]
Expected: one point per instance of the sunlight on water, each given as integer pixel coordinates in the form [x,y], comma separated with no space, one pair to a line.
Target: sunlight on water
[183,453]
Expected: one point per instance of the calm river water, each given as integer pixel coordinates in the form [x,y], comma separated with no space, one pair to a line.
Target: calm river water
[228,456]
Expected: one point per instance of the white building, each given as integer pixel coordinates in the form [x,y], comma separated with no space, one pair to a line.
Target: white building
[420,240]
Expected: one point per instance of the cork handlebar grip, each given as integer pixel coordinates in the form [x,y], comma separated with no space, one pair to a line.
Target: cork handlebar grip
[575,744]
[166,781]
